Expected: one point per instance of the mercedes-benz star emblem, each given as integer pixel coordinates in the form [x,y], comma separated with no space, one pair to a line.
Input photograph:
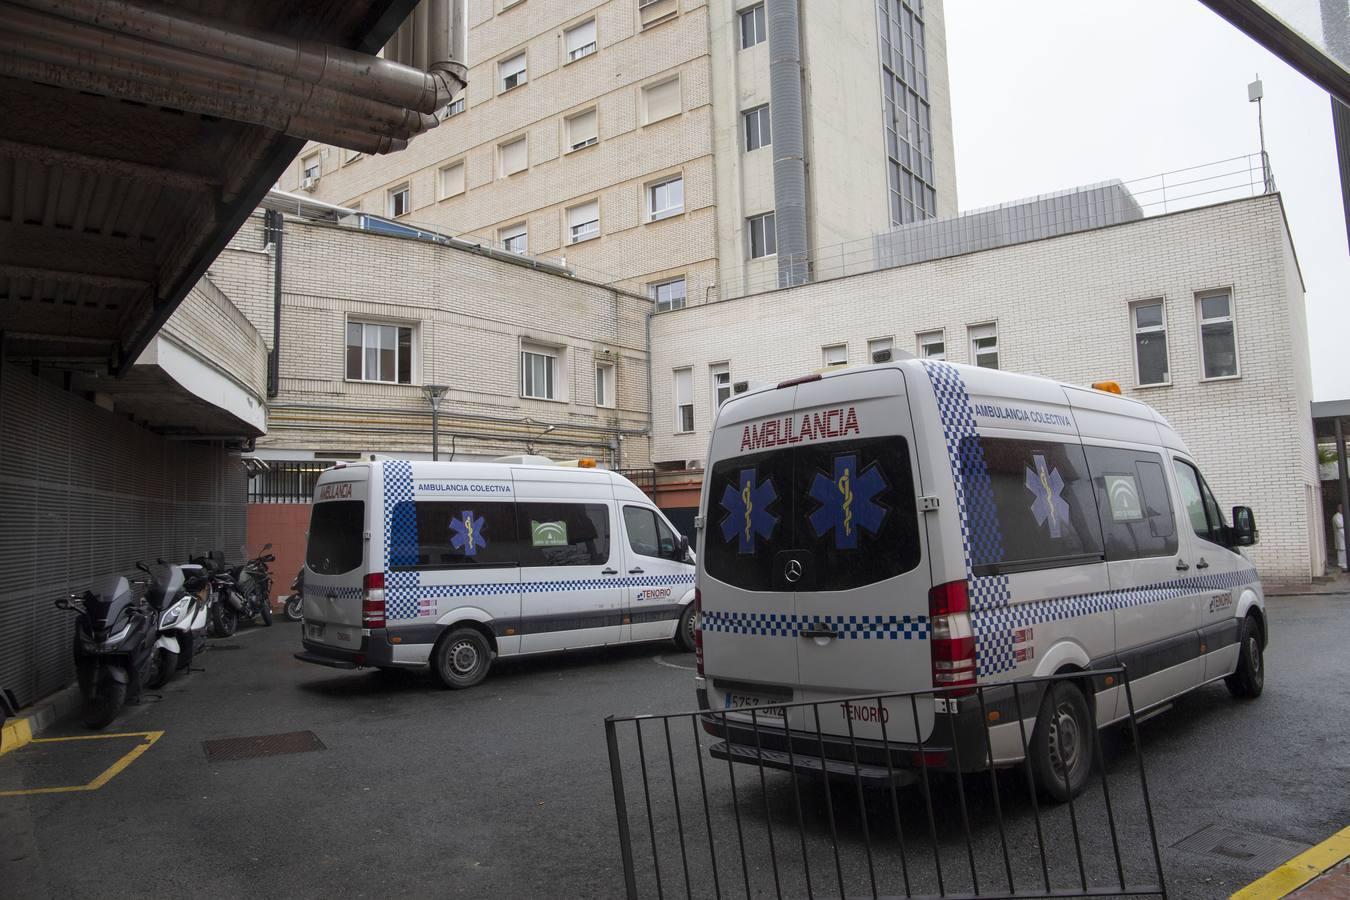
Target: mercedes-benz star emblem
[793,572]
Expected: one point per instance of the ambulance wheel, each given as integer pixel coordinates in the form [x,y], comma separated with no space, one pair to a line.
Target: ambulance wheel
[461,658]
[1249,679]
[1062,742]
[684,635]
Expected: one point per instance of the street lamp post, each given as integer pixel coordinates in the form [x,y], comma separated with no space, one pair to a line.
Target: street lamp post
[434,393]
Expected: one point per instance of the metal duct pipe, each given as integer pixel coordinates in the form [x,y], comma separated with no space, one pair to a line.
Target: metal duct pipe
[789,141]
[316,63]
[49,39]
[196,95]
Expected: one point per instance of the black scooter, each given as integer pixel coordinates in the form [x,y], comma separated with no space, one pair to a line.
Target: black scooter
[115,638]
[295,603]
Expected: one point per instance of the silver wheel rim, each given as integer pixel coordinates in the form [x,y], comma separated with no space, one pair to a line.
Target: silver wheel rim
[692,627]
[1064,739]
[1254,654]
[464,658]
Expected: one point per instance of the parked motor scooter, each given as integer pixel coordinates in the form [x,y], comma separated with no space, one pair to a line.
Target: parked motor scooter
[253,587]
[182,626]
[295,603]
[116,638]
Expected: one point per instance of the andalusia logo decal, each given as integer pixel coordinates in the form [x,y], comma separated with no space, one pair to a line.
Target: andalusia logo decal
[1048,507]
[747,505]
[466,533]
[848,501]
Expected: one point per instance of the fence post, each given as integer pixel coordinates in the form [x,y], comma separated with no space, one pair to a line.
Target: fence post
[621,809]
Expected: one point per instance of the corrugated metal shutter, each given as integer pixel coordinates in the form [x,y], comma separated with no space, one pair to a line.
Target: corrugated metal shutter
[85,493]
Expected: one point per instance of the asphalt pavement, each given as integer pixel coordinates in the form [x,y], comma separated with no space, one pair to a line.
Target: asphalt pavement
[504,790]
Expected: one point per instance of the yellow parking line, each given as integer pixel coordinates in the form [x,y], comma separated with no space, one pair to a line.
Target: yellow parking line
[14,735]
[1300,870]
[107,775]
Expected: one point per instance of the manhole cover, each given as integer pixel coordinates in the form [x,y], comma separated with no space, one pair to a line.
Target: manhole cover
[228,749]
[1256,850]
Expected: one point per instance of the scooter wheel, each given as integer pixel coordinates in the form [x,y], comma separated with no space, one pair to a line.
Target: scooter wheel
[101,708]
[162,666]
[295,609]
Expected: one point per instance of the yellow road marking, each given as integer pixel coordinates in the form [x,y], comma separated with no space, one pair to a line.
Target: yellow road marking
[14,735]
[108,774]
[1300,870]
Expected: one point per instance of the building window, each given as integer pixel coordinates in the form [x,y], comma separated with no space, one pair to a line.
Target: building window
[511,72]
[310,168]
[834,355]
[763,235]
[377,352]
[400,201]
[1218,340]
[908,121]
[932,345]
[684,400]
[880,346]
[1150,342]
[665,198]
[580,40]
[721,384]
[753,30]
[757,131]
[661,101]
[604,384]
[669,294]
[984,345]
[538,372]
[515,156]
[351,156]
[453,108]
[452,179]
[582,130]
[515,238]
[652,12]
[583,222]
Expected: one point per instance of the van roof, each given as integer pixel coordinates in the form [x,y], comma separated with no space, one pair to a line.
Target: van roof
[486,467]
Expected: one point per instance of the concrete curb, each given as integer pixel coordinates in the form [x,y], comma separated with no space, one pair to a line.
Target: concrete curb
[39,717]
[1300,870]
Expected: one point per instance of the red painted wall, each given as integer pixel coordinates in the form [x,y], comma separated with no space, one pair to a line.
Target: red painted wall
[284,525]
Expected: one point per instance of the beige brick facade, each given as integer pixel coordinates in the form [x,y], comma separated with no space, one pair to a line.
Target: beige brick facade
[1062,309]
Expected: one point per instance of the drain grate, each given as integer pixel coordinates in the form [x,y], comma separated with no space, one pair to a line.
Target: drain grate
[229,749]
[1247,847]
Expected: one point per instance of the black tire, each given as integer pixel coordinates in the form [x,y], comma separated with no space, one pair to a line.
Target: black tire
[684,635]
[1063,734]
[295,608]
[461,659]
[187,650]
[161,668]
[265,610]
[105,704]
[1249,679]
[224,621]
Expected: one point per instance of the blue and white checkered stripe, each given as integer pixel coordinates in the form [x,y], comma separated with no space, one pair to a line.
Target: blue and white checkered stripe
[405,603]
[402,589]
[790,625]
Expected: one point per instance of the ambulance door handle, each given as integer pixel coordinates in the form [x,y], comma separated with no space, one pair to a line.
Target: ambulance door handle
[820,631]
[636,570]
[1182,565]
[1202,564]
[609,571]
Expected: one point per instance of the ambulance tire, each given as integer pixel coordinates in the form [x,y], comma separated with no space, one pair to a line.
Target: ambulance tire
[1063,729]
[1249,679]
[684,635]
[462,658]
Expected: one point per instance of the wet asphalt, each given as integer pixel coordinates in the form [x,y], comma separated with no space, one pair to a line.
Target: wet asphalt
[505,791]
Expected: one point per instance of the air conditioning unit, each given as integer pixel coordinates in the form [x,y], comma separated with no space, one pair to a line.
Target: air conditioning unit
[740,387]
[694,464]
[309,183]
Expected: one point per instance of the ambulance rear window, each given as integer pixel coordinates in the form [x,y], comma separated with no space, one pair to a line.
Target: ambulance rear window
[336,539]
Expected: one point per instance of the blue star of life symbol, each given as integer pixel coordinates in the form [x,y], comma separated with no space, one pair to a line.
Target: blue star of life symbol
[747,506]
[1049,507]
[848,501]
[467,533]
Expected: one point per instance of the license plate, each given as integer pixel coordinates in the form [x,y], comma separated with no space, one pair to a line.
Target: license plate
[764,705]
[314,631]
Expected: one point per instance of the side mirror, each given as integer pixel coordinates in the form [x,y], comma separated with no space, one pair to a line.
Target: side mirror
[682,552]
[62,603]
[1243,532]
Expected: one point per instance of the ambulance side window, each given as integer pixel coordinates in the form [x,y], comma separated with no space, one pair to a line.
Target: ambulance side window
[1133,502]
[1201,507]
[1029,505]
[563,534]
[464,534]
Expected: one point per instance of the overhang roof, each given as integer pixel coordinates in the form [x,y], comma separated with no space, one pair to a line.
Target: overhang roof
[110,211]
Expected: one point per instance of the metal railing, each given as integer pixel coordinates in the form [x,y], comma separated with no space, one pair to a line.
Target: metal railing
[645,479]
[880,810]
[284,481]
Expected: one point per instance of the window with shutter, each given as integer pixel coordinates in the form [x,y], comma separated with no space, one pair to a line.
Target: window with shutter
[580,40]
[582,130]
[660,101]
[583,222]
[514,156]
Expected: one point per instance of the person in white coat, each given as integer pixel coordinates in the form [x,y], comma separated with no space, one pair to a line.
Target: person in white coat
[1338,535]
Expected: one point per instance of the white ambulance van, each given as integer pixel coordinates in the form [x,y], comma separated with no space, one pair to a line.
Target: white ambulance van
[455,564]
[922,524]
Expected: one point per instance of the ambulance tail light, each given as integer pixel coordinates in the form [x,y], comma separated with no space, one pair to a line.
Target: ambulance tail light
[698,629]
[372,601]
[953,644]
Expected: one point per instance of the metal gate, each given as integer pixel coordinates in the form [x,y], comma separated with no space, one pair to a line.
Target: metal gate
[722,803]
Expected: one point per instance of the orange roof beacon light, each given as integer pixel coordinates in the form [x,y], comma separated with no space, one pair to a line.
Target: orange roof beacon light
[586,463]
[1110,387]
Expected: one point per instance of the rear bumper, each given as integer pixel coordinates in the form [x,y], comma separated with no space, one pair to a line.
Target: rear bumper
[375,650]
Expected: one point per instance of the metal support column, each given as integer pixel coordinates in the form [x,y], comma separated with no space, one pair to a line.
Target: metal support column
[1341,467]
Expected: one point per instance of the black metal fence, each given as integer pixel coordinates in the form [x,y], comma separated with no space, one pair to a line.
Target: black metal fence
[643,478]
[764,801]
[284,481]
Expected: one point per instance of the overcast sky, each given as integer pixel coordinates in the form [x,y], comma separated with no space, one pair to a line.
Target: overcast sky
[1052,94]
